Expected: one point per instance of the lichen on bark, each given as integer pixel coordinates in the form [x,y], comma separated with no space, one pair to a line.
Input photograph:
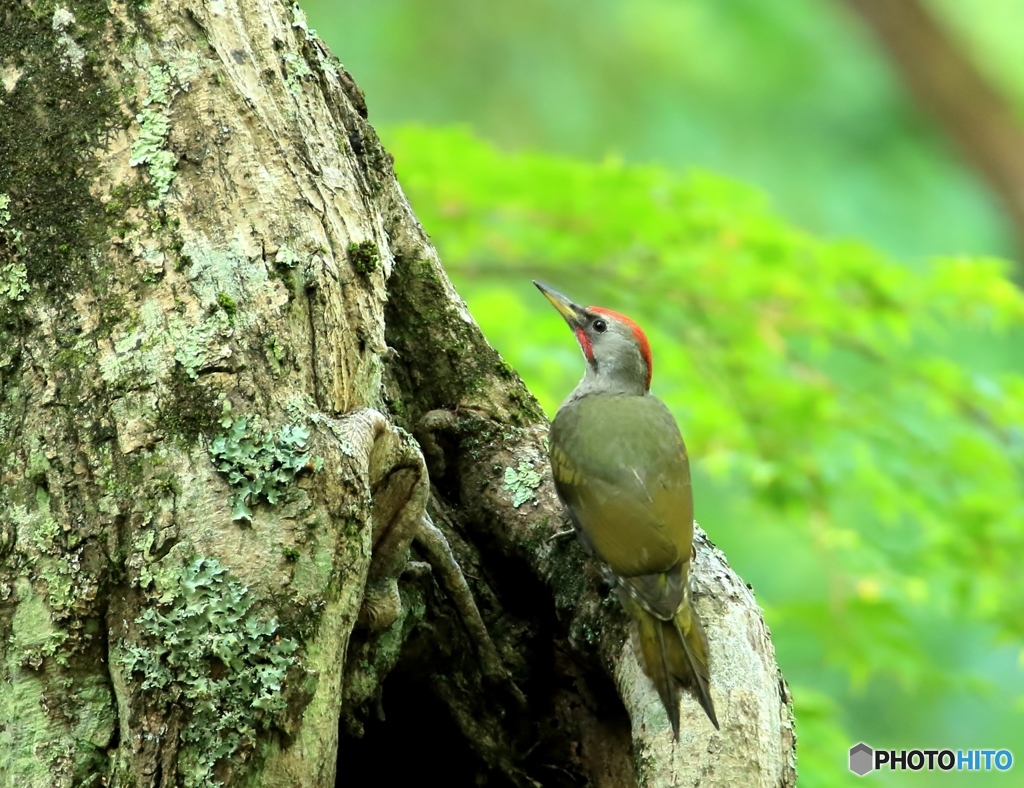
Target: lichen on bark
[203,645]
[211,235]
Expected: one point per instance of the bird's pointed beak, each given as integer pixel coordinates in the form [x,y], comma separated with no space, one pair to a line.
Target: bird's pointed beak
[573,313]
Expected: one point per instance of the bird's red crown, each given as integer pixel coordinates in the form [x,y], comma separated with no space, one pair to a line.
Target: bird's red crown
[638,333]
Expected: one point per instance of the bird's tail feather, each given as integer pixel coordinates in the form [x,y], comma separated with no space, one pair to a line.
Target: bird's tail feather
[695,643]
[674,655]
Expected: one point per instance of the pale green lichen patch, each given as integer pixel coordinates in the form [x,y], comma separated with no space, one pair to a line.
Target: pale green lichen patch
[287,257]
[56,728]
[28,734]
[142,355]
[45,545]
[275,353]
[150,147]
[131,362]
[521,481]
[149,351]
[203,647]
[196,345]
[300,407]
[299,22]
[13,281]
[225,275]
[13,275]
[258,464]
[72,55]
[323,58]
[296,69]
[37,465]
[34,637]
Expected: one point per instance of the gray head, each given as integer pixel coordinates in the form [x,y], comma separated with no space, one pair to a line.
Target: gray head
[617,352]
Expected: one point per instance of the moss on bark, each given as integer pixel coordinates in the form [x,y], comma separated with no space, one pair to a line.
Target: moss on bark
[57,109]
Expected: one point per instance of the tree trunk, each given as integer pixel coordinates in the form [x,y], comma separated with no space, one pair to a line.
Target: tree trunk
[262,476]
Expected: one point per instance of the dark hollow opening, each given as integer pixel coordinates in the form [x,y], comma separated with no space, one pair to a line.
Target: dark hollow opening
[417,743]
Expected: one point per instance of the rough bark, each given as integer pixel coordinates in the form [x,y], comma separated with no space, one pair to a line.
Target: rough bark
[262,477]
[948,85]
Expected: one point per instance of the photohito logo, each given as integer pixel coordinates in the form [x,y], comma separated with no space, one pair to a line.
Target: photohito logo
[864,759]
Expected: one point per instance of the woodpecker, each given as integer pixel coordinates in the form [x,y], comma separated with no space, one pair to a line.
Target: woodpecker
[620,467]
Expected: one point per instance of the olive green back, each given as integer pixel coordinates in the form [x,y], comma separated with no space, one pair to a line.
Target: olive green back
[620,466]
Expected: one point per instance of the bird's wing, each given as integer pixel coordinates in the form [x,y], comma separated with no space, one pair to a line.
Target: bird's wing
[628,487]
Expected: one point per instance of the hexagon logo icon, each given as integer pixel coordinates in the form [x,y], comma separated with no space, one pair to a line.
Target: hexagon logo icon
[862,759]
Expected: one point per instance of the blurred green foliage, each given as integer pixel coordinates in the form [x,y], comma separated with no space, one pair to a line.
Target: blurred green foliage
[790,95]
[856,424]
[866,483]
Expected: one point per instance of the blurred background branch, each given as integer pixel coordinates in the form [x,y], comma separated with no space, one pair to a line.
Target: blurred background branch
[947,84]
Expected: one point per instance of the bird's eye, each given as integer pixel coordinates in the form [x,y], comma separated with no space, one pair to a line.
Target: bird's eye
[600,326]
